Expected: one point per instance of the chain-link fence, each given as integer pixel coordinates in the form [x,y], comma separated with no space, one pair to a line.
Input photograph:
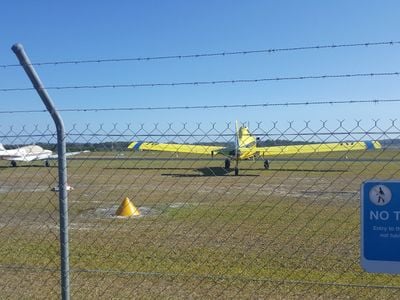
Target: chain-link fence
[287,231]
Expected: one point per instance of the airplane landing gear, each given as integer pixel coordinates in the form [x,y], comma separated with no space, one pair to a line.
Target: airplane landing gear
[13,163]
[266,164]
[227,164]
[47,163]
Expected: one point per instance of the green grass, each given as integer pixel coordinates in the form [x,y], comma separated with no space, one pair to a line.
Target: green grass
[288,232]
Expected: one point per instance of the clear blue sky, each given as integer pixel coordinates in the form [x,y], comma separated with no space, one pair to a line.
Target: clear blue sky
[75,30]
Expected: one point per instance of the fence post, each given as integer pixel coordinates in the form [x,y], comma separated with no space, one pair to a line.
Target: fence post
[62,165]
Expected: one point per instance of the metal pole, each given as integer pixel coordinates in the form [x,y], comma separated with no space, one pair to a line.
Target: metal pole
[62,165]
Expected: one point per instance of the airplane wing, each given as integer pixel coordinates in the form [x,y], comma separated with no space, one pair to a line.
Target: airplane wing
[317,148]
[13,157]
[55,156]
[177,148]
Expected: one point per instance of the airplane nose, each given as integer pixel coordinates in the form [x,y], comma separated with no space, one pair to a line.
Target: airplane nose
[234,152]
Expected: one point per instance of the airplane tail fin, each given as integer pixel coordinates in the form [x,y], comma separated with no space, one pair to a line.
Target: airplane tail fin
[245,138]
[2,147]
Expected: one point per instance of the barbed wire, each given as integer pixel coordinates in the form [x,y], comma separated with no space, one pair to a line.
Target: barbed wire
[215,54]
[212,82]
[219,106]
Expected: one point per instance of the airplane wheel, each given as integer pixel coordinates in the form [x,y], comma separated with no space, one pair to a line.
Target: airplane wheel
[13,163]
[236,171]
[227,164]
[266,164]
[47,163]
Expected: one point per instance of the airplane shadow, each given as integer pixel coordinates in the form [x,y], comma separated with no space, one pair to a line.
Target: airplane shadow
[220,171]
[27,166]
[207,171]
[210,172]
[298,170]
[148,168]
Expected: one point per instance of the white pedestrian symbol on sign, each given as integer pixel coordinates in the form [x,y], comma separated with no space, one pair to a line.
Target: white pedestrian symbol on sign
[380,195]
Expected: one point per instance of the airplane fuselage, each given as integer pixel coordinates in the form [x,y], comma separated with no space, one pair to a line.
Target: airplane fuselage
[242,153]
[26,153]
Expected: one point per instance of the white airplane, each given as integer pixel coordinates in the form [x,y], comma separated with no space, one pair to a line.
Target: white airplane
[30,153]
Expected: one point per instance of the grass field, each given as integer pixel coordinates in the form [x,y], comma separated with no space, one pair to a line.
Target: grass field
[288,232]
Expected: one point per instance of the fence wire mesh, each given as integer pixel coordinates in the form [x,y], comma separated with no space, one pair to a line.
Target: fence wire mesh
[290,231]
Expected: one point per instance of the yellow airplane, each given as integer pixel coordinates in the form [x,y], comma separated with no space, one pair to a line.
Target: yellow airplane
[246,147]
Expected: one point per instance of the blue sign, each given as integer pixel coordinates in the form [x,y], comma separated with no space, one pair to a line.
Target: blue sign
[380,226]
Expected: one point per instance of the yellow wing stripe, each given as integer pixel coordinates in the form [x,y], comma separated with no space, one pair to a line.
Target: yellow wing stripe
[317,148]
[178,148]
